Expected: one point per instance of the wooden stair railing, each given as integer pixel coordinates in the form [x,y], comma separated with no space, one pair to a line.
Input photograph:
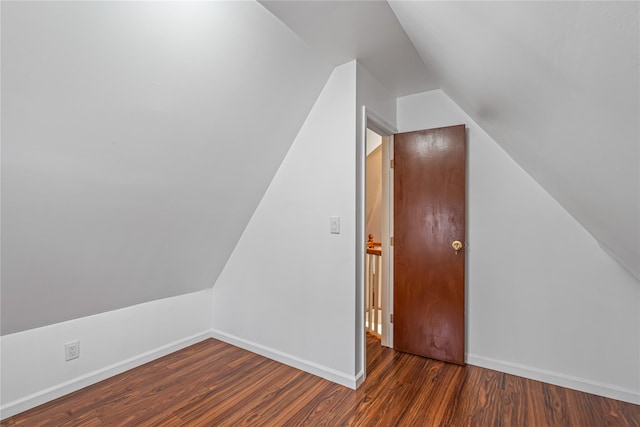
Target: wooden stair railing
[374,248]
[373,284]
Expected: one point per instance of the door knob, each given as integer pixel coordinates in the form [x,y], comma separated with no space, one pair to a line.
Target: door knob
[456,245]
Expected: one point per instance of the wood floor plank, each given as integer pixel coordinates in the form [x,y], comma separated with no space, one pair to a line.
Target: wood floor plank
[512,411]
[429,405]
[322,409]
[277,410]
[405,389]
[556,403]
[214,383]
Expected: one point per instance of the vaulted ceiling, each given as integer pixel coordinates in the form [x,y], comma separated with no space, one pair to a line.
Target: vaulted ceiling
[138,137]
[556,84]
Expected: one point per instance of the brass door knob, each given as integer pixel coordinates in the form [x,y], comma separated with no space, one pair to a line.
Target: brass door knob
[456,245]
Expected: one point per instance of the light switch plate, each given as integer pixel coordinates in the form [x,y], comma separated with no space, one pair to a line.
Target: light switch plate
[334,222]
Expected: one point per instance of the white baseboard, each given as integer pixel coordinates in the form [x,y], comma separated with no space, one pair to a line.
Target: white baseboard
[556,378]
[51,393]
[287,359]
[360,379]
[31,401]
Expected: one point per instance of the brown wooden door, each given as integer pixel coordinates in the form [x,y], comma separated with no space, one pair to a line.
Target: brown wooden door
[429,215]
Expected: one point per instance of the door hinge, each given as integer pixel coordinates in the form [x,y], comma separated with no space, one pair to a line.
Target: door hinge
[391,318]
[391,240]
[391,163]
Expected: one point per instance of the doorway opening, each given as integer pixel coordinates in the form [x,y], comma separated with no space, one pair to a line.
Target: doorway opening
[377,268]
[384,132]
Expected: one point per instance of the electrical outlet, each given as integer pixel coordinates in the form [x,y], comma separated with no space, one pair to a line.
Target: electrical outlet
[71,350]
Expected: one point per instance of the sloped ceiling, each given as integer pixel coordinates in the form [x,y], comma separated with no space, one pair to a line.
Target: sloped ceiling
[341,31]
[555,83]
[137,140]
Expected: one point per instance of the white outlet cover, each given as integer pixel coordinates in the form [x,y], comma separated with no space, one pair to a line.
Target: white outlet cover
[71,350]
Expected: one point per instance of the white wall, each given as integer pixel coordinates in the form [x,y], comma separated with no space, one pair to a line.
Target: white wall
[373,190]
[32,365]
[373,141]
[373,185]
[137,140]
[288,291]
[375,97]
[543,300]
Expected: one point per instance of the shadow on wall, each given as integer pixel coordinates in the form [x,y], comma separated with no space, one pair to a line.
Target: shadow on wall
[374,185]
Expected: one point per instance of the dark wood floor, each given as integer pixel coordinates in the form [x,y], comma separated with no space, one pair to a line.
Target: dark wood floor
[215,384]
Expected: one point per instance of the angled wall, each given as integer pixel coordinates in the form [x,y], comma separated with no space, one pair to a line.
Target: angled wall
[137,140]
[288,289]
[543,300]
[556,85]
